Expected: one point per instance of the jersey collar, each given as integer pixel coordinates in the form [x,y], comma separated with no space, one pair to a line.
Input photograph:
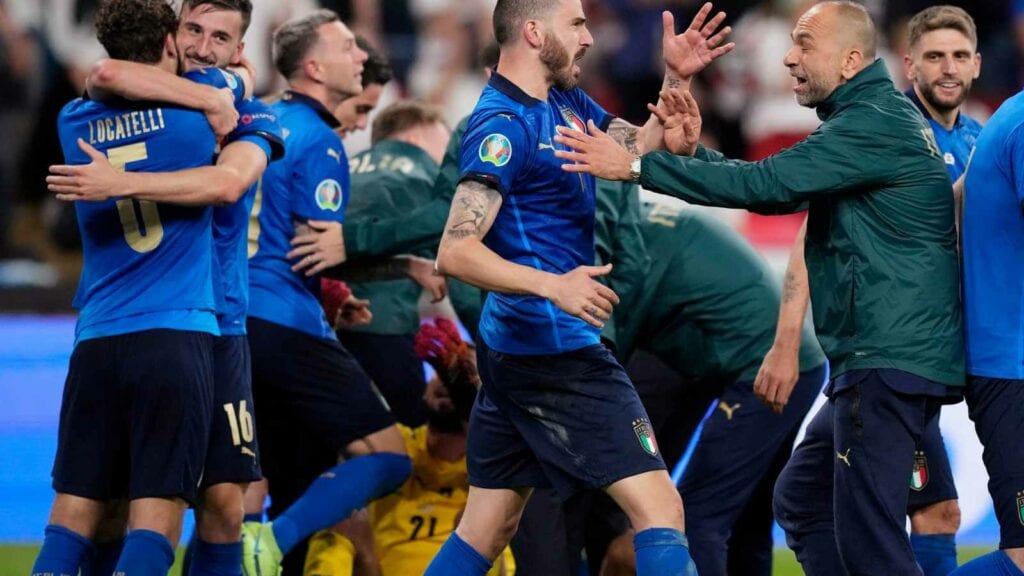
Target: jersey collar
[506,87]
[320,109]
[912,94]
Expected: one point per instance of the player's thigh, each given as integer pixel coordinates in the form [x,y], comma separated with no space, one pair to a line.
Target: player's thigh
[170,373]
[803,492]
[233,454]
[994,406]
[92,442]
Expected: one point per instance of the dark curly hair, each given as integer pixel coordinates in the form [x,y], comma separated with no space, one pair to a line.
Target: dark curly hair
[377,69]
[135,29]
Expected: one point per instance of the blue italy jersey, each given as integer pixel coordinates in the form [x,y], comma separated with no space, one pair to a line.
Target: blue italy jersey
[257,123]
[146,266]
[993,247]
[546,219]
[311,182]
[956,144]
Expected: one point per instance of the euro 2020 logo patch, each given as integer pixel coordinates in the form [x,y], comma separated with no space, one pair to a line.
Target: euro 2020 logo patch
[229,78]
[328,195]
[496,149]
[642,427]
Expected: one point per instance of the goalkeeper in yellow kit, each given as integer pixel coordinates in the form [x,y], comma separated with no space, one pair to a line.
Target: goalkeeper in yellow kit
[410,525]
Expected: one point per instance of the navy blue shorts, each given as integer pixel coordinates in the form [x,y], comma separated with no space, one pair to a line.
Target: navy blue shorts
[309,392]
[932,478]
[135,417]
[995,407]
[391,362]
[233,455]
[569,421]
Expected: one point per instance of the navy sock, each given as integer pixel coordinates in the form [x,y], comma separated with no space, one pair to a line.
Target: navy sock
[992,564]
[63,552]
[662,552]
[216,559]
[103,560]
[146,553]
[935,553]
[337,493]
[456,558]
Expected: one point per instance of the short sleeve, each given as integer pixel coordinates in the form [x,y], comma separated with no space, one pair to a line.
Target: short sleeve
[258,124]
[495,149]
[591,110]
[1015,149]
[219,78]
[320,179]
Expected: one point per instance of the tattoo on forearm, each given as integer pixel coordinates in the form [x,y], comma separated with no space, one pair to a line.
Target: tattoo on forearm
[470,206]
[674,82]
[789,288]
[625,134]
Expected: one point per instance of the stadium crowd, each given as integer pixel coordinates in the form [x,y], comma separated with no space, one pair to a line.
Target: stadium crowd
[286,208]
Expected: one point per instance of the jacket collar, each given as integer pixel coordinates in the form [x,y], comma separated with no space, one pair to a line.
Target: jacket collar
[871,81]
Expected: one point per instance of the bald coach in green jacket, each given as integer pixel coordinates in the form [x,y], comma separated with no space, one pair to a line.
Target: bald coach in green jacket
[882,267]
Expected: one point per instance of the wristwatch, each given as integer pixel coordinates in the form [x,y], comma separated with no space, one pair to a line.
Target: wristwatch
[634,170]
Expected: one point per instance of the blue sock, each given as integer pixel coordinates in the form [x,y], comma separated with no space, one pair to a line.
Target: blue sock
[254,517]
[456,558]
[216,559]
[146,553]
[992,564]
[339,492]
[63,552]
[103,560]
[935,553]
[662,552]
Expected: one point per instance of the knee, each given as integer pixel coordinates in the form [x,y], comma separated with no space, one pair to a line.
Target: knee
[388,440]
[939,518]
[620,557]
[665,510]
[221,514]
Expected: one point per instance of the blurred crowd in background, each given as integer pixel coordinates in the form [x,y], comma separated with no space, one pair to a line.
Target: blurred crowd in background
[48,46]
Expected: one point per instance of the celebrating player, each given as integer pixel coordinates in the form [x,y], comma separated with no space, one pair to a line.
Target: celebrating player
[555,407]
[138,402]
[313,401]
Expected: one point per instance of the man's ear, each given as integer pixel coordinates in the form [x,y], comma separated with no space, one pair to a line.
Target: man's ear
[533,33]
[852,64]
[170,47]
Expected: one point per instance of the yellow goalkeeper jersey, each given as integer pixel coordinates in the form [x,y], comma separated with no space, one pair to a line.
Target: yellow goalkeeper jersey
[411,525]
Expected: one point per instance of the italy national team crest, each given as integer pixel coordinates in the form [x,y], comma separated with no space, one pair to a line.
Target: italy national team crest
[642,427]
[1020,507]
[328,195]
[573,120]
[919,476]
[496,149]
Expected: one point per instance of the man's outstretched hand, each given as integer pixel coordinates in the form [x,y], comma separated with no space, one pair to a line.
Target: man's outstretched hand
[698,46]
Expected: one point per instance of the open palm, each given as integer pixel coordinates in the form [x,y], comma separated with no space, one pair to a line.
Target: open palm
[699,45]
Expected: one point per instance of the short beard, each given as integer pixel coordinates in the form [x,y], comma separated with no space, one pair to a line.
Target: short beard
[928,93]
[556,58]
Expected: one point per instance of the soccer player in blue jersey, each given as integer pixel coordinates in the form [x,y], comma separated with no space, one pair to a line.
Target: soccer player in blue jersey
[209,34]
[138,400]
[555,407]
[992,247]
[309,391]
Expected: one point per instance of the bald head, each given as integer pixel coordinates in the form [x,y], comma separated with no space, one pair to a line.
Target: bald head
[851,25]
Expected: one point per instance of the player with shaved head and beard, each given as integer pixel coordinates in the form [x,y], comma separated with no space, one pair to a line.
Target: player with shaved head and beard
[882,269]
[555,408]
